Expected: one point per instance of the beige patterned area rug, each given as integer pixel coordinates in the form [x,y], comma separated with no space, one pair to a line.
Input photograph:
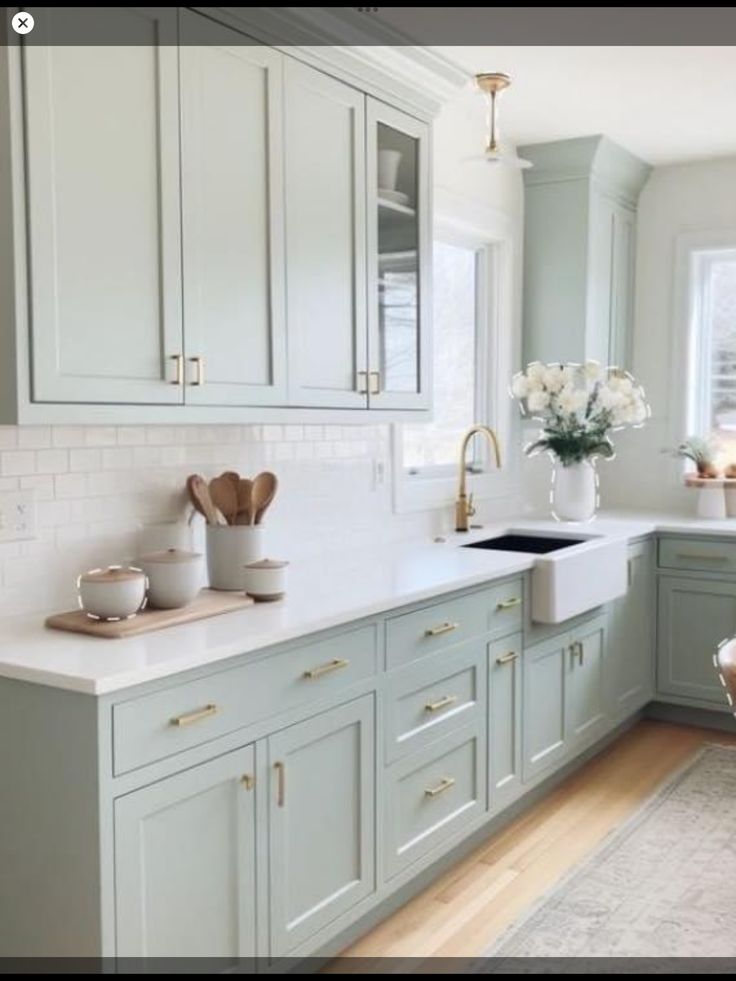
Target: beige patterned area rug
[663,885]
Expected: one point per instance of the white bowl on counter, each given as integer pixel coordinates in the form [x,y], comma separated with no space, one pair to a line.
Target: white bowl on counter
[174,577]
[115,593]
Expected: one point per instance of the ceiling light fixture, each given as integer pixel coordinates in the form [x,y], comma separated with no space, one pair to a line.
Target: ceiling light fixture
[491,84]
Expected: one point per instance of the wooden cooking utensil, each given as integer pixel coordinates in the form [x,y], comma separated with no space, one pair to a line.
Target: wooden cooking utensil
[263,493]
[199,494]
[245,491]
[224,494]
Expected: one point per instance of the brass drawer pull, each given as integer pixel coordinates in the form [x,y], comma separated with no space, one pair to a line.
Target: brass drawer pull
[699,557]
[178,360]
[509,604]
[576,651]
[508,658]
[441,703]
[248,781]
[375,382]
[189,718]
[280,769]
[323,669]
[198,363]
[441,628]
[361,382]
[444,784]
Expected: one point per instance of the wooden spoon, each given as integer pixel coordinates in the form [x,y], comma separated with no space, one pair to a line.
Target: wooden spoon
[224,494]
[263,493]
[245,491]
[199,495]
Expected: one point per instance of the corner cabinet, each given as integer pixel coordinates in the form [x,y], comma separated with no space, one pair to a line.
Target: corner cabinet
[580,234]
[630,666]
[214,230]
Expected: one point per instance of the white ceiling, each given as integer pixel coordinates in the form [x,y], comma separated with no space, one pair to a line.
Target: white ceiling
[665,104]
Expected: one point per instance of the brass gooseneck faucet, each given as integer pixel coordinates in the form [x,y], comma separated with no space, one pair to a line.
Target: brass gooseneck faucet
[464,505]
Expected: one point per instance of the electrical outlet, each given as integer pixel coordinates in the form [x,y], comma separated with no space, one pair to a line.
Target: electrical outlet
[17,515]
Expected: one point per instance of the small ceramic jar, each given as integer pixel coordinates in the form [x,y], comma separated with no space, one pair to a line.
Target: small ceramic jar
[265,580]
[174,577]
[115,593]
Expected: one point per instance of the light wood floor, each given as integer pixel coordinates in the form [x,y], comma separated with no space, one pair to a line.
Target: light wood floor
[465,910]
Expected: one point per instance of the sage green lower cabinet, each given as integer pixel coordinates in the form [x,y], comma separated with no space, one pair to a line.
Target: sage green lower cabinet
[504,720]
[321,807]
[432,795]
[185,863]
[564,695]
[694,616]
[629,660]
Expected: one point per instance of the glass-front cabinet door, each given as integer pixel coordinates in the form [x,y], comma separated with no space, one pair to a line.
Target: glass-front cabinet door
[399,253]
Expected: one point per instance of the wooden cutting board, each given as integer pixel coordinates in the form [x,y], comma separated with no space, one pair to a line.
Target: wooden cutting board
[209,603]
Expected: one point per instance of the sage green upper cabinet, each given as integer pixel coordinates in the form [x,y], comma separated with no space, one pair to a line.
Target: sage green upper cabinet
[629,665]
[321,821]
[325,207]
[579,248]
[102,173]
[185,863]
[398,259]
[232,189]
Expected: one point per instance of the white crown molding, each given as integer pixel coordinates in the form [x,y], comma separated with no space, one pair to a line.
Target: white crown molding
[359,49]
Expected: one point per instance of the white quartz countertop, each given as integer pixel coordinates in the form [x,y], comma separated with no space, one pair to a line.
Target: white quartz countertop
[326,592]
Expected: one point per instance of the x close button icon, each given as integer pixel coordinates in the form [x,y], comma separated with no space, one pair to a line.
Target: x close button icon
[22,22]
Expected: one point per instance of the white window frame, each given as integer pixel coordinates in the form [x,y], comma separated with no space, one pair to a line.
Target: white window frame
[463,222]
[690,374]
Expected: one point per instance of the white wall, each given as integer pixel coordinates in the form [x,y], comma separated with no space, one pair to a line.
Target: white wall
[99,487]
[676,199]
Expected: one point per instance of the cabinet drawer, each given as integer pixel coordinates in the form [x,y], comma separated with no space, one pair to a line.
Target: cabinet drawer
[432,795]
[154,726]
[703,554]
[434,696]
[453,620]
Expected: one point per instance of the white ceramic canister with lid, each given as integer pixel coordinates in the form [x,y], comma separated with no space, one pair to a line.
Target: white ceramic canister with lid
[229,548]
[174,577]
[115,593]
[265,580]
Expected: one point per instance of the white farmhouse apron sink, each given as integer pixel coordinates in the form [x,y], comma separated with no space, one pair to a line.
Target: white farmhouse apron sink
[572,573]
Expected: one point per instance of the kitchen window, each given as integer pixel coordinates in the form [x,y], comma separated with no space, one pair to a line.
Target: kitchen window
[712,344]
[469,365]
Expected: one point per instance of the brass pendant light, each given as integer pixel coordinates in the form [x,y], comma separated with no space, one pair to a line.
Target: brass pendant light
[491,84]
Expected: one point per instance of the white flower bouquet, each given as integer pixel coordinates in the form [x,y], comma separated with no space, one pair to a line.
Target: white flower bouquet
[579,405]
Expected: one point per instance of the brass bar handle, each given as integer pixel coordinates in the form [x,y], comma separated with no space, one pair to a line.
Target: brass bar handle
[509,604]
[444,784]
[280,769]
[178,360]
[361,382]
[508,658]
[189,718]
[441,703]
[248,781]
[701,557]
[375,382]
[576,651]
[441,628]
[198,363]
[322,669]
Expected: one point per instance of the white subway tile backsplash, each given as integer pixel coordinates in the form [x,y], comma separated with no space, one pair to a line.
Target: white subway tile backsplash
[97,488]
[14,463]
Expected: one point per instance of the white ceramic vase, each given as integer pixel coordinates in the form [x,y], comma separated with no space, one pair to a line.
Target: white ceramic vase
[574,491]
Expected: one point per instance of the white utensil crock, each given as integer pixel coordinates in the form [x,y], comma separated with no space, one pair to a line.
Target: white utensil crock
[174,577]
[229,549]
[115,593]
[265,580]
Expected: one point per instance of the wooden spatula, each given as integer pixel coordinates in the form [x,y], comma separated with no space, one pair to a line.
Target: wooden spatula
[199,495]
[245,491]
[263,493]
[224,494]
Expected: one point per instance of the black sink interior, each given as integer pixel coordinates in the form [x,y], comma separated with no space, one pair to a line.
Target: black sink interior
[537,544]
